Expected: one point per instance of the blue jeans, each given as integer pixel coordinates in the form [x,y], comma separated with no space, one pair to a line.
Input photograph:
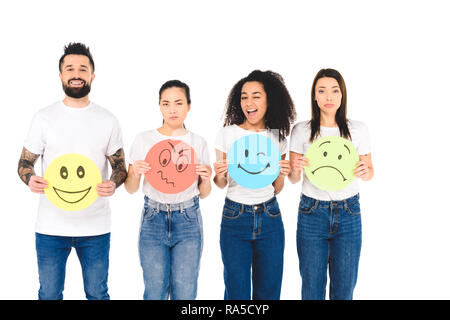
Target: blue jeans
[328,233]
[170,246]
[93,253]
[252,245]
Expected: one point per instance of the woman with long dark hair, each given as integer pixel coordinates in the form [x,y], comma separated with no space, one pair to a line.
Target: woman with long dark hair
[252,232]
[329,222]
[170,236]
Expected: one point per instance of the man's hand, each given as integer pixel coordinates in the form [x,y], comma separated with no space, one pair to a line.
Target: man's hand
[106,188]
[37,184]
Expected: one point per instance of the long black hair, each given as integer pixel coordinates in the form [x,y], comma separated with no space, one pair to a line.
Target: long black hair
[280,112]
[341,113]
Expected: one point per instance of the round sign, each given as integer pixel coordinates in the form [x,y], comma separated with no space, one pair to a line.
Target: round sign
[172,165]
[331,163]
[72,179]
[253,161]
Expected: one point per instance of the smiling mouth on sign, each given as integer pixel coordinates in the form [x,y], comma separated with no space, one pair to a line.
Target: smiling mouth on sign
[252,172]
[71,196]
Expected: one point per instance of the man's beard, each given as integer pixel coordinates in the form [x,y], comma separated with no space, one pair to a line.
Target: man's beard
[77,92]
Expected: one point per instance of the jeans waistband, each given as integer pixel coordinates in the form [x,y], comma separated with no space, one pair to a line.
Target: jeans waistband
[149,203]
[333,203]
[243,207]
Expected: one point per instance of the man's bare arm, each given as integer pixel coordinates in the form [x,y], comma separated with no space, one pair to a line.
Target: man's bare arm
[119,170]
[26,165]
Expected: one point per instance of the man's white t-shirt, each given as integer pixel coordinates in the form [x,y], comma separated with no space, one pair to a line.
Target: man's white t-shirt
[235,192]
[144,141]
[300,144]
[91,131]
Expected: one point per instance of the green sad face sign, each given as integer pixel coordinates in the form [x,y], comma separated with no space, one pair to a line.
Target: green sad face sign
[331,163]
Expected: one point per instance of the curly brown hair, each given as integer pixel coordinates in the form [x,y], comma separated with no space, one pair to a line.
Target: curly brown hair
[280,112]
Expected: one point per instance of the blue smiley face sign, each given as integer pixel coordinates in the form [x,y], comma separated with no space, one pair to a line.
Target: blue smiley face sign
[253,161]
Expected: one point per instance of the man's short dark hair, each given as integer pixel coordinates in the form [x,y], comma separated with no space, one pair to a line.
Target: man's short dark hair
[77,48]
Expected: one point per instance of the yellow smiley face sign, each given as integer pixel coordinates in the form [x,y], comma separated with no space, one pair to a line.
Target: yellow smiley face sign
[72,180]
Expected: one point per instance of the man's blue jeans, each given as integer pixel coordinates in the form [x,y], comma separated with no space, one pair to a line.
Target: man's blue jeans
[170,246]
[252,244]
[328,234]
[93,253]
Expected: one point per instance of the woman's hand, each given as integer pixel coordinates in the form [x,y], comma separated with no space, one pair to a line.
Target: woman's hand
[299,162]
[364,168]
[285,167]
[204,172]
[140,167]
[221,168]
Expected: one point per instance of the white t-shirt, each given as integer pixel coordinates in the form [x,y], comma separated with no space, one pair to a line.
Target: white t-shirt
[235,192]
[144,141]
[91,131]
[300,144]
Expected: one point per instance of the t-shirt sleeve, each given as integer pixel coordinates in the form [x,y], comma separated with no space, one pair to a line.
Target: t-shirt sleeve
[135,151]
[115,140]
[35,141]
[205,154]
[283,146]
[299,136]
[221,140]
[364,146]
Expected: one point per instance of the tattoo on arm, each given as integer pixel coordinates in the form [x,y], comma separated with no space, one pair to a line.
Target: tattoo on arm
[119,171]
[26,165]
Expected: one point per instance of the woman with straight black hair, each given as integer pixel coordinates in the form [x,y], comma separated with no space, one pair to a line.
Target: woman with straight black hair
[252,232]
[171,231]
[329,222]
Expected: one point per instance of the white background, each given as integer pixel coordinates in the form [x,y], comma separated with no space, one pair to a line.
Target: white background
[395,61]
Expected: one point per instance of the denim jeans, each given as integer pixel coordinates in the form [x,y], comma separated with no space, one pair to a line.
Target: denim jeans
[93,253]
[170,246]
[252,245]
[328,234]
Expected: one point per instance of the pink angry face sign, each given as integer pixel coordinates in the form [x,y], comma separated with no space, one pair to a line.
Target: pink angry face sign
[172,165]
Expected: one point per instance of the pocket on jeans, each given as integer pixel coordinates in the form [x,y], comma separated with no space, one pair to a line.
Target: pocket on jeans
[305,208]
[191,213]
[149,214]
[230,213]
[354,208]
[273,210]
